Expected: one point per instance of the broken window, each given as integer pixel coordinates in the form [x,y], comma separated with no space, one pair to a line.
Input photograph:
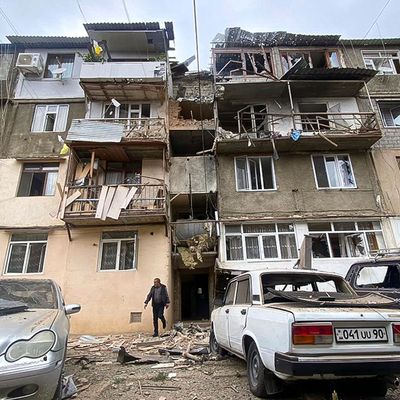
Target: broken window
[230,294]
[345,239]
[254,173]
[379,277]
[38,179]
[390,112]
[260,241]
[118,251]
[254,120]
[118,172]
[243,292]
[26,253]
[127,111]
[333,171]
[50,118]
[314,117]
[59,65]
[314,58]
[385,62]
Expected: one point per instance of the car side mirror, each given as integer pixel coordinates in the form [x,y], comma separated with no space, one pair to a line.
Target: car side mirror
[72,309]
[218,302]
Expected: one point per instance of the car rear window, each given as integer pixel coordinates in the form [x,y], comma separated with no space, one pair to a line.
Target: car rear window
[35,294]
[379,277]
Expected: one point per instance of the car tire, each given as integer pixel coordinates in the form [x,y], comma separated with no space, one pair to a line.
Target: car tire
[256,372]
[215,348]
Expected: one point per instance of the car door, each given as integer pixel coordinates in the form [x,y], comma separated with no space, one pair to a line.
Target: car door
[237,316]
[220,322]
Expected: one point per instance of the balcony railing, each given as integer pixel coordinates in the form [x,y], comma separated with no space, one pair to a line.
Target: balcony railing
[265,125]
[133,128]
[147,199]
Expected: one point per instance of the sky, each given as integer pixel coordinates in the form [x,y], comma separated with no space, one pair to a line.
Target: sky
[349,18]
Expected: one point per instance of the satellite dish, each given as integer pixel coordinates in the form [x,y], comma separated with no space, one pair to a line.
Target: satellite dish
[59,71]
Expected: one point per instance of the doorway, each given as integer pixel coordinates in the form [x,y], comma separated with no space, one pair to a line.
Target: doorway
[195,296]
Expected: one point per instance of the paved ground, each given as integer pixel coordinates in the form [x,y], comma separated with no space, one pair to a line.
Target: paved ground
[100,377]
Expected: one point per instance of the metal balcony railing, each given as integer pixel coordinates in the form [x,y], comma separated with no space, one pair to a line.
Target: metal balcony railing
[148,198]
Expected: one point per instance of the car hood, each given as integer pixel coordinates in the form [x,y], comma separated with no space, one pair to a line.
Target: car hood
[24,325]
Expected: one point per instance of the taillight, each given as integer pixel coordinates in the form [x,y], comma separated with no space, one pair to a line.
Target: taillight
[396,333]
[306,333]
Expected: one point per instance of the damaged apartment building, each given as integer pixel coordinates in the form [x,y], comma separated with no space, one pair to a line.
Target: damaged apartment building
[83,182]
[304,128]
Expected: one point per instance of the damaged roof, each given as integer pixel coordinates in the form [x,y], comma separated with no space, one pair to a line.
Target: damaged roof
[371,42]
[49,41]
[237,37]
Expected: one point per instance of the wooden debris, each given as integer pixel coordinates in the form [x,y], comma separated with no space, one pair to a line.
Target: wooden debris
[163,365]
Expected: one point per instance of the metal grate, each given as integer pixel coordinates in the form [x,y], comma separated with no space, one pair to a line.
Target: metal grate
[135,317]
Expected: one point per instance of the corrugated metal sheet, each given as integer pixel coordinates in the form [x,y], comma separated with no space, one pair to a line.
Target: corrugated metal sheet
[371,42]
[95,131]
[122,26]
[50,41]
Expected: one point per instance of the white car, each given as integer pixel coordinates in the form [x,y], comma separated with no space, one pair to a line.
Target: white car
[293,325]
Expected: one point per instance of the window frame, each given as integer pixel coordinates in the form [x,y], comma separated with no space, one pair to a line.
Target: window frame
[118,241]
[336,155]
[260,235]
[260,170]
[242,279]
[380,56]
[130,104]
[43,124]
[45,181]
[363,232]
[234,293]
[381,115]
[58,54]
[26,257]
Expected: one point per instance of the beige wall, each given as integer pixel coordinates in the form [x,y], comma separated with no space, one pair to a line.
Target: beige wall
[107,297]
[26,211]
[388,171]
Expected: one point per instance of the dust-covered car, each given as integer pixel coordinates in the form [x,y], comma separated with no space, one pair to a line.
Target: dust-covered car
[296,325]
[34,327]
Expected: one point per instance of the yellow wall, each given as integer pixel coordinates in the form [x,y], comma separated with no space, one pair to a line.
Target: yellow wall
[26,211]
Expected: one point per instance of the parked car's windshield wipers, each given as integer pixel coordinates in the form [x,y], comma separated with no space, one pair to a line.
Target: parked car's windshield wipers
[11,307]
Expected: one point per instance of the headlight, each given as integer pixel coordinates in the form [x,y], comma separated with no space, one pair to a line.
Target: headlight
[37,346]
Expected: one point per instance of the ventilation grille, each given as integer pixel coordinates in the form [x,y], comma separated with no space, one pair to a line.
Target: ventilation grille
[135,317]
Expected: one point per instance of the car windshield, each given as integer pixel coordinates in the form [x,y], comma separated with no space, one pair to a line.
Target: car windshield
[34,294]
[278,286]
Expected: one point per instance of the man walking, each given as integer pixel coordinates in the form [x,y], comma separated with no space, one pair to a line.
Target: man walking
[159,296]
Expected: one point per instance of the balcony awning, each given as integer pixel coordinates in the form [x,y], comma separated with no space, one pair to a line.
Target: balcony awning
[95,131]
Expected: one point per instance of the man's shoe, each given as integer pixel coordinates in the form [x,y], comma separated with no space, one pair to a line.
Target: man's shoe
[155,334]
[164,324]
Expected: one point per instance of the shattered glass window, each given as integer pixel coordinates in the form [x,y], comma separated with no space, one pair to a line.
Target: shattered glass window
[254,173]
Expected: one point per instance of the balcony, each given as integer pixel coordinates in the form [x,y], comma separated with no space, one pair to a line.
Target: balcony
[126,81]
[318,131]
[118,130]
[114,204]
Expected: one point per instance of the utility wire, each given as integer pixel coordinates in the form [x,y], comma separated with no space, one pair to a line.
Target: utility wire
[12,26]
[80,9]
[376,19]
[126,11]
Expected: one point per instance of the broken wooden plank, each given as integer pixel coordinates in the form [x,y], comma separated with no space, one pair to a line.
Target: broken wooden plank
[72,198]
[108,201]
[84,172]
[163,365]
[101,202]
[129,196]
[117,202]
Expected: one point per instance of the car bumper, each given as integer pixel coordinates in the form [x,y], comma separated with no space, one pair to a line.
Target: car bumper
[340,366]
[31,383]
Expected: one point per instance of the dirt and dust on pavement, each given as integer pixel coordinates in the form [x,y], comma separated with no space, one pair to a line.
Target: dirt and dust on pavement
[175,366]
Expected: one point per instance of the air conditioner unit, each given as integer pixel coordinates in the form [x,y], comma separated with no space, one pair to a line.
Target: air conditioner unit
[30,63]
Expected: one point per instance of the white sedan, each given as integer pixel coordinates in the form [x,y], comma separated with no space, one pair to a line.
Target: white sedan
[292,325]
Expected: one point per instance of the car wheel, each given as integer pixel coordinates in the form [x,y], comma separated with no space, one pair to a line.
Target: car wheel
[256,372]
[215,348]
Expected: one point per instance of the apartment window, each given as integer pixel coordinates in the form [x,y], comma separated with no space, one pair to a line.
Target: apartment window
[254,173]
[118,251]
[26,253]
[127,111]
[333,171]
[50,118]
[390,113]
[314,59]
[260,242]
[345,239]
[57,62]
[38,179]
[386,62]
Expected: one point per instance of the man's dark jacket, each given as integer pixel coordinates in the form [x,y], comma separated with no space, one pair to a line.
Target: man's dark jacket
[164,295]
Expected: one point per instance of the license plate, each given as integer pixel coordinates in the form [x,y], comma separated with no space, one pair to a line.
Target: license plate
[361,335]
